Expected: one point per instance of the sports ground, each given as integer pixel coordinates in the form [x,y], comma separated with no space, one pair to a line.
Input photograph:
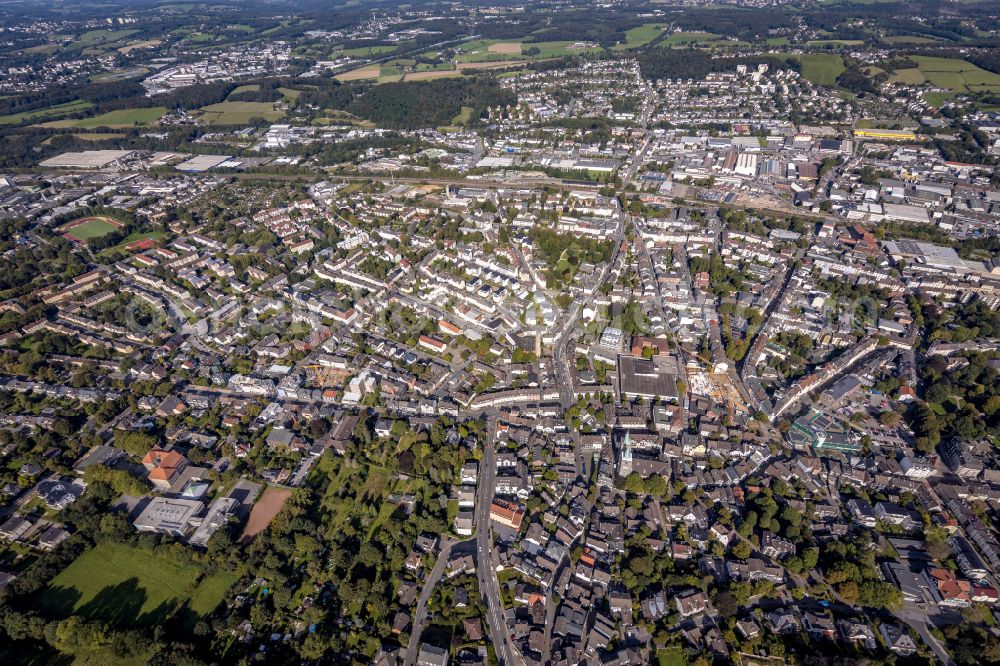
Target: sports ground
[82,230]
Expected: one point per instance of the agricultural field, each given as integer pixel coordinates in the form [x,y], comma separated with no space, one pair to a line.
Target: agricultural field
[86,228]
[509,48]
[957,75]
[821,68]
[50,112]
[127,586]
[238,113]
[361,73]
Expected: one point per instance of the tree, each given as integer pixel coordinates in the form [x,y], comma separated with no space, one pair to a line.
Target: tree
[889,418]
[656,485]
[634,483]
[726,604]
[741,550]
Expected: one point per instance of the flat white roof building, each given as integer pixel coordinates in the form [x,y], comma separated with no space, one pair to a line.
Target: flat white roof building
[175,517]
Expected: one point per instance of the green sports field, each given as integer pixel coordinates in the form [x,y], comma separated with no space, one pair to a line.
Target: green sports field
[90,227]
[128,586]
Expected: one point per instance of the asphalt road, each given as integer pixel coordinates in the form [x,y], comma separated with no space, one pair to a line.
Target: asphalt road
[420,614]
[486,573]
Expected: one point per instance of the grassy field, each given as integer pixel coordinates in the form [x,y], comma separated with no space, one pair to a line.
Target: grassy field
[92,37]
[558,49]
[937,99]
[909,39]
[211,591]
[251,87]
[50,112]
[641,35]
[134,237]
[127,586]
[464,117]
[124,118]
[428,76]
[834,42]
[238,113]
[910,77]
[114,119]
[131,46]
[687,38]
[957,75]
[821,68]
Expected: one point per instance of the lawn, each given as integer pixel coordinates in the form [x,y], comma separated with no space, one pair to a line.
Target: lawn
[239,113]
[822,68]
[48,112]
[127,586]
[671,657]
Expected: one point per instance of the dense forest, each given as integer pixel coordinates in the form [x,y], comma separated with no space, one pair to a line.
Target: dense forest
[988,60]
[428,103]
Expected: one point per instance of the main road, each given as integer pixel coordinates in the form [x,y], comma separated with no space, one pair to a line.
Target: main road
[486,571]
